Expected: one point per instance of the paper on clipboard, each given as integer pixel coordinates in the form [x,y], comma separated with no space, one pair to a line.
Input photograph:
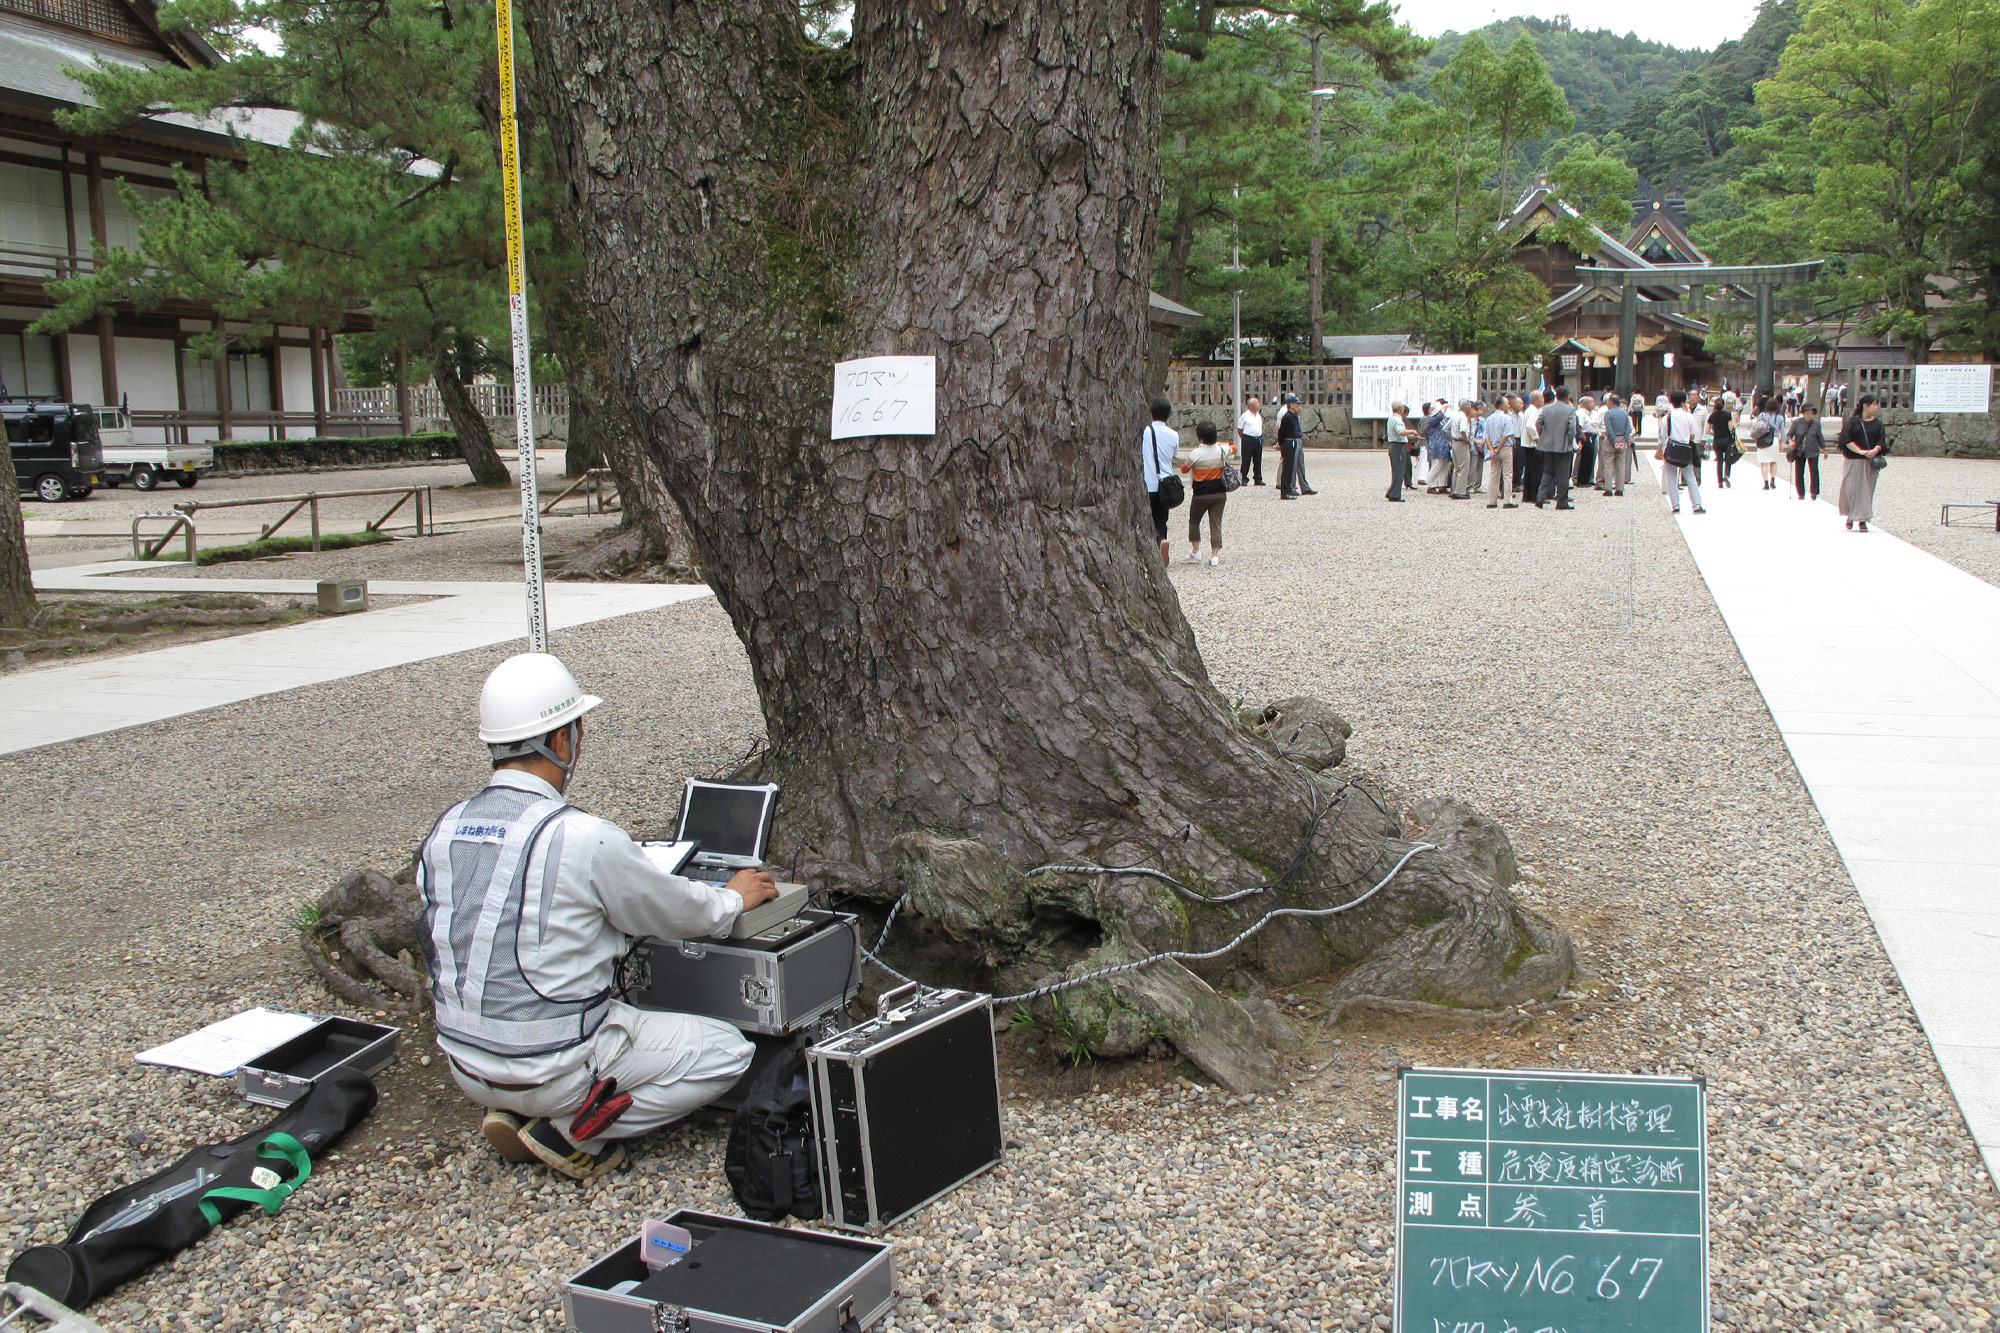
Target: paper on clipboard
[669,856]
[221,1046]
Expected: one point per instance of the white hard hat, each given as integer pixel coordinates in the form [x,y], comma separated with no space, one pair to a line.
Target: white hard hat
[530,695]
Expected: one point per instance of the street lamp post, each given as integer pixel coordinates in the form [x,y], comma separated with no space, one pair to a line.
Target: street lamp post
[1236,315]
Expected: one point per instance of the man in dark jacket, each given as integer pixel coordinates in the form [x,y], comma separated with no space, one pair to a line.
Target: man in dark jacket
[1557,443]
[1290,437]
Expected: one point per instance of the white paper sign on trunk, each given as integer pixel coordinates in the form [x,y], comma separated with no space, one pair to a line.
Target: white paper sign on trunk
[885,395]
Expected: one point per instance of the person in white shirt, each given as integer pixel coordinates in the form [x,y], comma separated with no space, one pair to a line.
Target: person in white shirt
[1250,432]
[1157,448]
[1589,423]
[1677,453]
[529,903]
[1503,435]
[1401,435]
[1458,426]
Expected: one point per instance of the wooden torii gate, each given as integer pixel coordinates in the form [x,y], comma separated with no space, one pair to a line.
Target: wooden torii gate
[1763,280]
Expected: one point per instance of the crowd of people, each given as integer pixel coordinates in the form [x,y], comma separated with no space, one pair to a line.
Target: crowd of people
[1539,448]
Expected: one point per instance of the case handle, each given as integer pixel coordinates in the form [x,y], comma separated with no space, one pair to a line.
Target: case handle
[886,999]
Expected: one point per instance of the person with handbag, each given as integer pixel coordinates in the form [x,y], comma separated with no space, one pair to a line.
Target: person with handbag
[1212,470]
[1864,442]
[1676,453]
[1156,459]
[1768,431]
[1722,430]
[1804,447]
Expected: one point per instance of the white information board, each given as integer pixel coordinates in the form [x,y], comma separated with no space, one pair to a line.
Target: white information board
[1412,381]
[1953,389]
[885,395]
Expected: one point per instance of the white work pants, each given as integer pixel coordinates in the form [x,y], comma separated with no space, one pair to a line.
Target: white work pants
[671,1064]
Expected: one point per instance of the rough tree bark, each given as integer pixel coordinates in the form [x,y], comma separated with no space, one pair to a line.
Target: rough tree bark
[474,436]
[17,585]
[968,655]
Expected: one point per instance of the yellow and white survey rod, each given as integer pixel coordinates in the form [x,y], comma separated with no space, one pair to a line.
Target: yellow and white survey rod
[517,319]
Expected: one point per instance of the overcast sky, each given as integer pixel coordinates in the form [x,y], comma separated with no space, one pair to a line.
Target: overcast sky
[1689,23]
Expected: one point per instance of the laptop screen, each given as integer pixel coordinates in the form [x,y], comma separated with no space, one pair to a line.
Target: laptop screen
[725,820]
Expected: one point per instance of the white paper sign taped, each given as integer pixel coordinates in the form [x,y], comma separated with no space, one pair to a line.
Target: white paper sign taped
[885,395]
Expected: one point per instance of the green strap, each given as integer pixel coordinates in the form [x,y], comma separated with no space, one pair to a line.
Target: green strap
[279,1147]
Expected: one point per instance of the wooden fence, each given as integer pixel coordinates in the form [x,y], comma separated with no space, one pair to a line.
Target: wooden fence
[492,400]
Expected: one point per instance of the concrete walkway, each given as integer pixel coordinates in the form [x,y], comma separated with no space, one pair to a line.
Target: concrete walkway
[88,698]
[1881,665]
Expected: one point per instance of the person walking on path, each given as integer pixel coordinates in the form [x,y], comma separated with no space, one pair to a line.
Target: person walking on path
[1290,434]
[1502,436]
[1458,427]
[1722,432]
[1156,452]
[1616,446]
[1588,425]
[1804,445]
[1677,453]
[1401,433]
[1206,493]
[1437,450]
[1556,443]
[1250,431]
[1863,442]
[1769,433]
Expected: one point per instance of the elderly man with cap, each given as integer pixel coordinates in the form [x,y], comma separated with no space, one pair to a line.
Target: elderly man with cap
[528,905]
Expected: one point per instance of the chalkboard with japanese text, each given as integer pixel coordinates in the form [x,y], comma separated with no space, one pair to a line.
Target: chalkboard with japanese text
[1550,1203]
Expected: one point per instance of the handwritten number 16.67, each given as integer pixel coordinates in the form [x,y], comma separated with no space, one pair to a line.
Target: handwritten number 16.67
[874,410]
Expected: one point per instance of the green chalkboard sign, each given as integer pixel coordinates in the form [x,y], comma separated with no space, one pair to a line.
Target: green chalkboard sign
[1545,1202]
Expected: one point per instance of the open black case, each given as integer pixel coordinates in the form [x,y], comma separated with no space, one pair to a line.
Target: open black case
[741,1276]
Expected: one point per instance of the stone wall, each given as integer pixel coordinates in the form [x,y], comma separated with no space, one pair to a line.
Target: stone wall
[1943,434]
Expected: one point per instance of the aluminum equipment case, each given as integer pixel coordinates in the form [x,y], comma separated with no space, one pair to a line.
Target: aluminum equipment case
[905,1106]
[774,983]
[740,1275]
[283,1074]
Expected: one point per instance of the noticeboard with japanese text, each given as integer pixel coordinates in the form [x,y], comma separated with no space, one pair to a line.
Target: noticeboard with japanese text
[1550,1202]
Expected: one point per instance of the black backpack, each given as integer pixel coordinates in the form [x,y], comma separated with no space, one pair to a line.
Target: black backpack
[769,1159]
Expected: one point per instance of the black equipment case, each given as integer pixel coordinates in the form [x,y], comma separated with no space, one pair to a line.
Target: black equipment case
[740,1275]
[906,1106]
[775,983]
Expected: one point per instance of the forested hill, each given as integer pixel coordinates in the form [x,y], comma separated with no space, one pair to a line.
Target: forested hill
[1602,72]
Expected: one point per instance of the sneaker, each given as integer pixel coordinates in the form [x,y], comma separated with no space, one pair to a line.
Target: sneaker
[1214,560]
[1699,510]
[1193,558]
[503,1130]
[1495,504]
[545,1141]
[1864,527]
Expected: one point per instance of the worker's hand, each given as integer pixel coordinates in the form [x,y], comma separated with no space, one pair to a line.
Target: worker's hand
[755,887]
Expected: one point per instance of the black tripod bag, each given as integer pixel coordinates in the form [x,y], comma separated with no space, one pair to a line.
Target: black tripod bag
[257,1168]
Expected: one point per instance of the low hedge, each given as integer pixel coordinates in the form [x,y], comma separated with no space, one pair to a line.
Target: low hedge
[290,455]
[268,546]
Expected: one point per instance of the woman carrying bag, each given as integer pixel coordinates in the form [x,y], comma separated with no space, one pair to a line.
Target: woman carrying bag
[1864,442]
[1212,469]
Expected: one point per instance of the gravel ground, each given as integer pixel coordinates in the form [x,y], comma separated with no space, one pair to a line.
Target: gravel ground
[1908,497]
[1566,672]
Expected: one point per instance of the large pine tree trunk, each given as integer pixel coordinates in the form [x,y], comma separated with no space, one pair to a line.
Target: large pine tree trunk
[475,437]
[968,656]
[17,586]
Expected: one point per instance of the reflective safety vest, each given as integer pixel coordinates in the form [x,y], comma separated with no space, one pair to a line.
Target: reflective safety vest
[474,879]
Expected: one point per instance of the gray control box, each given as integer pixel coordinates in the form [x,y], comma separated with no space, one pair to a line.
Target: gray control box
[775,983]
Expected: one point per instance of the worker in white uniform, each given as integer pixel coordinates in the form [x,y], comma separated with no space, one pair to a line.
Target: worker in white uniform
[528,905]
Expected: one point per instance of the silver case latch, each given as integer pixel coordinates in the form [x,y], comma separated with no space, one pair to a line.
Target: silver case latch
[756,992]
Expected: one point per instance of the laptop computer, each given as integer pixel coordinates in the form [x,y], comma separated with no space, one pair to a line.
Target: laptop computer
[730,823]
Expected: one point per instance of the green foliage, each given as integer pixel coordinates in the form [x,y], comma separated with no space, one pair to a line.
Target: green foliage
[1600,72]
[1876,150]
[1449,182]
[387,195]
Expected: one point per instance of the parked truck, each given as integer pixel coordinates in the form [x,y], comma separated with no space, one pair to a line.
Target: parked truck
[147,465]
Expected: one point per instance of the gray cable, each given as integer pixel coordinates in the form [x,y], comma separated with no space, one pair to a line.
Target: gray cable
[1149,873]
[1182,954]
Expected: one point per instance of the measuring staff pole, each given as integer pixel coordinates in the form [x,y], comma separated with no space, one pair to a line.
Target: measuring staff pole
[517,319]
